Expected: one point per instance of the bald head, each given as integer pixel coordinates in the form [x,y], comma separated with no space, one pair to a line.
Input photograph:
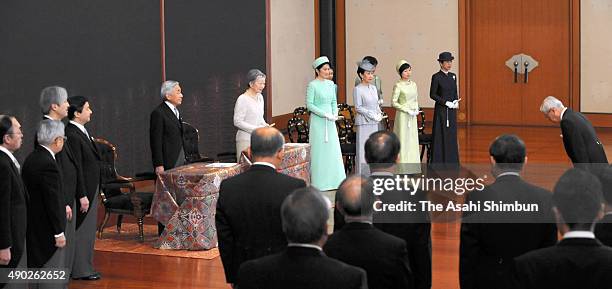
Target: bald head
[354,196]
[382,149]
[266,142]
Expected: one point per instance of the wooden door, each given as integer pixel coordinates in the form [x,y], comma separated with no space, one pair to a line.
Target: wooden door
[501,29]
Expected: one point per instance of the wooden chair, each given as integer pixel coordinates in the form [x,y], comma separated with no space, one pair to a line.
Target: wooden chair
[347,136]
[297,126]
[191,141]
[114,199]
[424,138]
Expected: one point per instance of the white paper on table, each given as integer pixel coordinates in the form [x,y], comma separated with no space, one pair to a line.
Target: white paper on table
[220,165]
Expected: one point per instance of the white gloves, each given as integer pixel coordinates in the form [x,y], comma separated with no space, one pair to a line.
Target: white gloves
[330,116]
[452,104]
[378,117]
[414,112]
[380,101]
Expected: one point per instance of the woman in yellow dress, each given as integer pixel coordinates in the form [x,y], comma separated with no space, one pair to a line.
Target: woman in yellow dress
[405,101]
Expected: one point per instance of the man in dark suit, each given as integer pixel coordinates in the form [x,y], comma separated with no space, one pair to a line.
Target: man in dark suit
[166,132]
[581,143]
[443,91]
[13,198]
[384,257]
[302,265]
[46,212]
[248,210]
[382,154]
[578,260]
[86,155]
[166,129]
[603,229]
[490,240]
[54,105]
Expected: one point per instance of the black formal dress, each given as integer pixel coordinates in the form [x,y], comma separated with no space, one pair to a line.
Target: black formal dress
[248,216]
[13,211]
[581,143]
[444,130]
[166,137]
[573,263]
[603,230]
[47,209]
[300,268]
[487,249]
[384,257]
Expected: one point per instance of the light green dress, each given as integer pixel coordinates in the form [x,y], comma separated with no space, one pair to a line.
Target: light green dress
[405,98]
[326,166]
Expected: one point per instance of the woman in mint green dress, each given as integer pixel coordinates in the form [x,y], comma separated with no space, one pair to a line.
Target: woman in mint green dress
[326,167]
[405,100]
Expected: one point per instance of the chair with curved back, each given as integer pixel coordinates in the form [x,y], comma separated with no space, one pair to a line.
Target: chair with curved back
[112,186]
[424,138]
[297,126]
[191,140]
[347,136]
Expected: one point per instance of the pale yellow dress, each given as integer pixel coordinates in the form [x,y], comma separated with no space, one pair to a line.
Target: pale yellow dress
[405,99]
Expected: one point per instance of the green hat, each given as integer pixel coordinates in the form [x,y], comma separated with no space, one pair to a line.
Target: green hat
[319,61]
[399,65]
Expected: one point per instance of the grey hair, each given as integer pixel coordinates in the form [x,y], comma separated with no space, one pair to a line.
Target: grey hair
[49,130]
[304,215]
[52,95]
[253,74]
[549,103]
[167,87]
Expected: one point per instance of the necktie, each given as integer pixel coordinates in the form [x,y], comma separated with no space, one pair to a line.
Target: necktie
[18,166]
[176,113]
[86,134]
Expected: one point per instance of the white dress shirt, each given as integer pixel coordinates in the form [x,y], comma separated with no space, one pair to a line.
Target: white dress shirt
[81,127]
[10,154]
[579,234]
[265,164]
[311,246]
[173,109]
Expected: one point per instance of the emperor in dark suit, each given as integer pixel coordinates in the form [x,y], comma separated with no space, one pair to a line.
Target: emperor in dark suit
[302,265]
[86,155]
[384,257]
[579,260]
[13,197]
[166,129]
[581,143]
[46,214]
[490,240]
[248,210]
[443,91]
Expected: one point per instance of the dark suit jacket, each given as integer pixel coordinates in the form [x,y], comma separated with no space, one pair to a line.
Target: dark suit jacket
[13,210]
[166,137]
[300,268]
[487,249]
[414,228]
[384,257]
[86,155]
[603,230]
[46,211]
[248,216]
[573,263]
[73,186]
[580,139]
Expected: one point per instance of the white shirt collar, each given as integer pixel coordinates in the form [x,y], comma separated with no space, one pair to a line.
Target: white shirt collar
[445,72]
[509,174]
[265,164]
[579,234]
[172,107]
[80,126]
[49,150]
[48,117]
[10,154]
[305,246]
[381,174]
[562,113]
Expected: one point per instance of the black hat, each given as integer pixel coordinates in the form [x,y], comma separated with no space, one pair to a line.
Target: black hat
[445,56]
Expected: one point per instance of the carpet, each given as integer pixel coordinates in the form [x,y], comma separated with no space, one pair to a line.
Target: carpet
[127,242]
